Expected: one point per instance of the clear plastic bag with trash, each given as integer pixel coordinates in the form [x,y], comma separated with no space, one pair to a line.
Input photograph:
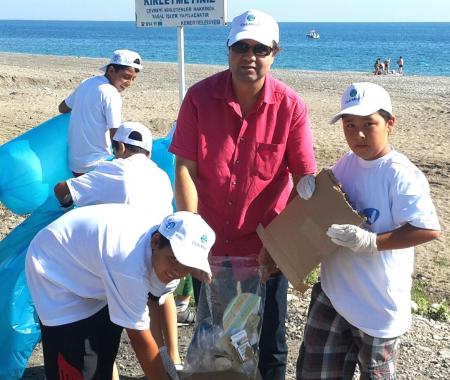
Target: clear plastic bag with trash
[229,320]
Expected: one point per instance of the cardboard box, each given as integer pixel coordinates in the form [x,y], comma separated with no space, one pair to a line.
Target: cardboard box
[296,239]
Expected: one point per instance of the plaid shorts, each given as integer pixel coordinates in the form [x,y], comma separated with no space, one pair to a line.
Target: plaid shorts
[332,347]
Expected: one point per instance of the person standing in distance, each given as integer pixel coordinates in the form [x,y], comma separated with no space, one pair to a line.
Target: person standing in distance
[96,107]
[400,63]
[242,139]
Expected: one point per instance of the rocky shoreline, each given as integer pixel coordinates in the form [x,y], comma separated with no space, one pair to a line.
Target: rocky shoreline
[32,86]
[424,355]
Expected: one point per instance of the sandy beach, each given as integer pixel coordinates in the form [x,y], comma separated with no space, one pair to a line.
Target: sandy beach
[31,87]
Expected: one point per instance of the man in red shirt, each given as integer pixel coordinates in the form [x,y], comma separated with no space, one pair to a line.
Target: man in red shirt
[242,140]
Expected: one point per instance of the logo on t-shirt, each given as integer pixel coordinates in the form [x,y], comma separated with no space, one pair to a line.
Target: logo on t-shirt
[204,239]
[371,215]
[170,225]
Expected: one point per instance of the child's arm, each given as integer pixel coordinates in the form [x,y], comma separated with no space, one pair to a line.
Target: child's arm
[363,241]
[405,237]
[147,352]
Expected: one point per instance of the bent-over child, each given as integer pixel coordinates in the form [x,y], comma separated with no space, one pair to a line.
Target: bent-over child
[96,271]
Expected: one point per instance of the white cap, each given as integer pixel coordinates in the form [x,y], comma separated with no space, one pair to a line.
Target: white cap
[126,128]
[190,238]
[124,57]
[254,25]
[363,99]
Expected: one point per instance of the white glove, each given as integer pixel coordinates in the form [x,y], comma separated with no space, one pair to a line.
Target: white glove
[168,364]
[306,186]
[353,237]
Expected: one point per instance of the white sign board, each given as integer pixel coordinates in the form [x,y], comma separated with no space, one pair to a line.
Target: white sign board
[159,13]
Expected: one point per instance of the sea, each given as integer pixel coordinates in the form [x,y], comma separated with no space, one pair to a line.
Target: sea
[425,47]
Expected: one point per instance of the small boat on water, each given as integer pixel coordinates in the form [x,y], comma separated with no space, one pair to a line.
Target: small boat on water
[313,34]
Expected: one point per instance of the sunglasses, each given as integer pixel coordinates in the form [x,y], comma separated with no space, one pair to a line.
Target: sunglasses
[260,50]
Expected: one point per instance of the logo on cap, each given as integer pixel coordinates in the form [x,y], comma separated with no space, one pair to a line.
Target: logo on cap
[170,225]
[354,97]
[250,18]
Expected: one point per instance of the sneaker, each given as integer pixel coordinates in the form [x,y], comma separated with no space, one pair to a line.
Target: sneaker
[186,317]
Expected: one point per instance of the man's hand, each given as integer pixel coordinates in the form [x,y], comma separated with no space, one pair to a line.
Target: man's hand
[306,186]
[353,237]
[267,265]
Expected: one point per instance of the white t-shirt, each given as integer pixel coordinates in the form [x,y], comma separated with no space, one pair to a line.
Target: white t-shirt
[96,108]
[90,257]
[372,292]
[135,180]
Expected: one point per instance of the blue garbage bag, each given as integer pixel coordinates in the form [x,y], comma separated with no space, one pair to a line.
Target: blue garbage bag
[19,325]
[32,163]
[162,157]
[30,166]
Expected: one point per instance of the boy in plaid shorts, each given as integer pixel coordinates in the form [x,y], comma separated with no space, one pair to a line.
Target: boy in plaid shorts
[361,306]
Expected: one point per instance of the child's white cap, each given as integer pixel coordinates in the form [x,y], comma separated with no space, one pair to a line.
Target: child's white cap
[191,239]
[124,57]
[254,25]
[363,99]
[142,139]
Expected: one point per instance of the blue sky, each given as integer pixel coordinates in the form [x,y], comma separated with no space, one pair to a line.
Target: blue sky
[282,10]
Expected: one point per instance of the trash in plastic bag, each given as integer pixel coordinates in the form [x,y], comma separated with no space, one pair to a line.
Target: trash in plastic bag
[229,320]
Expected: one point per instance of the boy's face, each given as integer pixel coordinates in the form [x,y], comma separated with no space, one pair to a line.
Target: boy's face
[121,79]
[367,136]
[166,266]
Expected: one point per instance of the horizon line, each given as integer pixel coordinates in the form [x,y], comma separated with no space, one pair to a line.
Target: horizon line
[301,21]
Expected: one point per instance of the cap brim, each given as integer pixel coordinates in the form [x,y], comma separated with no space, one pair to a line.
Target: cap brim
[248,35]
[358,110]
[136,66]
[190,260]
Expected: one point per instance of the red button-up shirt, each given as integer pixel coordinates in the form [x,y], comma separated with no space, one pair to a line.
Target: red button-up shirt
[243,163]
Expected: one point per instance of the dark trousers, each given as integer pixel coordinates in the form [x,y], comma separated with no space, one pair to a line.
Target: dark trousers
[272,344]
[83,350]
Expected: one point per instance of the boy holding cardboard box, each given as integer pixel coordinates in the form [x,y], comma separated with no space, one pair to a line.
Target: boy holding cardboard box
[361,306]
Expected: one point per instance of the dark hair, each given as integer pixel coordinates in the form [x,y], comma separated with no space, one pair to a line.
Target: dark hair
[134,135]
[162,241]
[385,115]
[276,47]
[123,67]
[132,148]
